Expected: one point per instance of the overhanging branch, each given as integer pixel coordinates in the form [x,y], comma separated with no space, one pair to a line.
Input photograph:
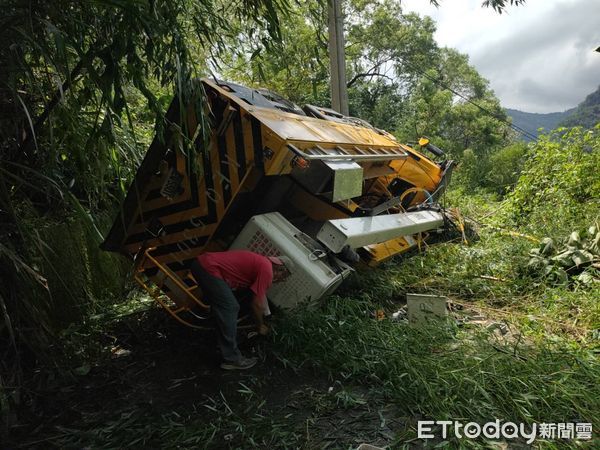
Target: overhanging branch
[358,76]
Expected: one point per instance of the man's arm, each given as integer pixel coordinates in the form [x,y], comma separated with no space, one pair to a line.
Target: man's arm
[258,310]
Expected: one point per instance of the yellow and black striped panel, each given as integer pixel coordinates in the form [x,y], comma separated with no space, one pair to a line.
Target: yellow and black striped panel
[180,227]
[247,141]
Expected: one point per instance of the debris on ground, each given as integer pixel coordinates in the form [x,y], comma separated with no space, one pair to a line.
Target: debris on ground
[576,258]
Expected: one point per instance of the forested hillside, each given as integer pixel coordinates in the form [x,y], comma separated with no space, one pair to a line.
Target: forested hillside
[587,113]
[531,122]
[89,361]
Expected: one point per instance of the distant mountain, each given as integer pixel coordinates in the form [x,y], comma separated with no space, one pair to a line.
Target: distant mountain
[587,113]
[530,122]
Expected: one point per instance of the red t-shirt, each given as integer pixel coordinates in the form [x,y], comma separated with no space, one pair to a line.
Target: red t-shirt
[240,269]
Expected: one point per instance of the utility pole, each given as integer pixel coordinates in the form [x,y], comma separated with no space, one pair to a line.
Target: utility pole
[337,58]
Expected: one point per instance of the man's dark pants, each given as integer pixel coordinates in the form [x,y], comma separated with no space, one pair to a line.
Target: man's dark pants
[224,307]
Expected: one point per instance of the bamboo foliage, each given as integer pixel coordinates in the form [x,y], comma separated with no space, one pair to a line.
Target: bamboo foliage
[81,85]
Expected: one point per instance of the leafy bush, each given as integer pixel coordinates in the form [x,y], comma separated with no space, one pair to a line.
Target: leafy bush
[577,256]
[559,187]
[496,171]
[471,169]
[504,167]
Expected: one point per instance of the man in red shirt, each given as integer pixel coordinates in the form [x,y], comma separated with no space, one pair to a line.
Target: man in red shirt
[218,274]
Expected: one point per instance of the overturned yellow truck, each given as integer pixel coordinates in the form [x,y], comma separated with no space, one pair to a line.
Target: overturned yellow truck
[238,167]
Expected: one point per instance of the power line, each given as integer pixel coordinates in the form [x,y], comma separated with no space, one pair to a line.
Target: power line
[468,100]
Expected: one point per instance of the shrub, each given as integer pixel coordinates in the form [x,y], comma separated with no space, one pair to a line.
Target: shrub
[504,167]
[471,170]
[559,187]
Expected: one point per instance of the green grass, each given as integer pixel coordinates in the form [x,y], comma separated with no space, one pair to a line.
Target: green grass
[227,425]
[444,372]
[544,370]
[547,372]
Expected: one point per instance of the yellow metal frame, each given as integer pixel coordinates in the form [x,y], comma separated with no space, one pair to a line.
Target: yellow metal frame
[156,293]
[249,143]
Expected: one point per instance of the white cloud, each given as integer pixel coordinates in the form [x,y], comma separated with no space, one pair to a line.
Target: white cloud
[538,57]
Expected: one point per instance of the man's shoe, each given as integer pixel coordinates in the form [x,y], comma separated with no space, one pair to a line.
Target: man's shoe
[241,364]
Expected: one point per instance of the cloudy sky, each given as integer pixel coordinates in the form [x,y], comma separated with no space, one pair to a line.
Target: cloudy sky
[538,57]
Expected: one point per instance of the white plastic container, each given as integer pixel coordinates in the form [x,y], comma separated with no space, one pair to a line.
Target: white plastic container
[314,274]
